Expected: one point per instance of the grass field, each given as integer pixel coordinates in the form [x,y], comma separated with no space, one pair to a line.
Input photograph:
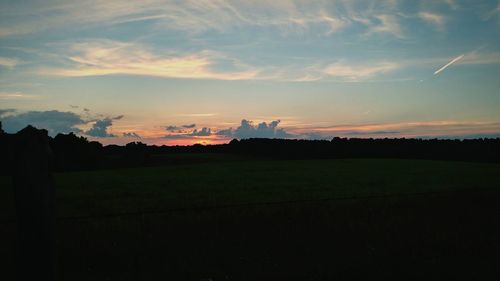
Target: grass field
[437,217]
[228,183]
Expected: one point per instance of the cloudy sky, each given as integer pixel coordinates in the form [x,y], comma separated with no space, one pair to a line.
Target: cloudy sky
[207,71]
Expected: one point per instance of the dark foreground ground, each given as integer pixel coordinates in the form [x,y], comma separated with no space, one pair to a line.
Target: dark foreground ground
[321,220]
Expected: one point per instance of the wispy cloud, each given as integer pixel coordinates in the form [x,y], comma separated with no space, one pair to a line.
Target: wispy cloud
[106,57]
[434,19]
[196,16]
[386,24]
[434,128]
[198,114]
[188,15]
[341,70]
[8,62]
[452,4]
[493,13]
[477,57]
[359,71]
[16,96]
[448,64]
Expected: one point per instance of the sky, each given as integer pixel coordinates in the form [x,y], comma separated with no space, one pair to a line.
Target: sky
[207,71]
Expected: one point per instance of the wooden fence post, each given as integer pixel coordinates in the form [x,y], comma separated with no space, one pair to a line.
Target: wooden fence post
[35,204]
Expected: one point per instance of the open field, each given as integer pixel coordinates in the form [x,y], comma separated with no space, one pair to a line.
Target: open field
[242,182]
[276,220]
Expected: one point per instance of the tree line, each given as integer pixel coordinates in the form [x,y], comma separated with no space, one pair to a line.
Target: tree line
[72,153]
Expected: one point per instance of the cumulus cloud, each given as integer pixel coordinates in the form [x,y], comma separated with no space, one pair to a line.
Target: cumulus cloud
[262,130]
[53,121]
[100,128]
[225,132]
[247,129]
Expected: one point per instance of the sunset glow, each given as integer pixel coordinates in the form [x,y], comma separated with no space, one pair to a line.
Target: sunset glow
[185,72]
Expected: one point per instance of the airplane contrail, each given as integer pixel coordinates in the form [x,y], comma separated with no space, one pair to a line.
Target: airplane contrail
[448,64]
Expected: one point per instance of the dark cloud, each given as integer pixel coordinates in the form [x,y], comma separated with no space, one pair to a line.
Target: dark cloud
[74,106]
[100,128]
[53,121]
[173,128]
[204,132]
[225,132]
[262,130]
[6,111]
[131,135]
[189,126]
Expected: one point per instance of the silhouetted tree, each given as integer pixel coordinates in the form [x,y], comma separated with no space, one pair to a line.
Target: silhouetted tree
[136,153]
[76,153]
